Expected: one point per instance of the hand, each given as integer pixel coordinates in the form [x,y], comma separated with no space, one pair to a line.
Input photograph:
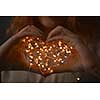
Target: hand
[11,56]
[11,53]
[85,59]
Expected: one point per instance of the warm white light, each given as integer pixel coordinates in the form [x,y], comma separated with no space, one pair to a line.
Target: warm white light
[45,56]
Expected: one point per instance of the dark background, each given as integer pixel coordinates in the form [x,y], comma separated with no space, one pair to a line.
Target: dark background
[4,24]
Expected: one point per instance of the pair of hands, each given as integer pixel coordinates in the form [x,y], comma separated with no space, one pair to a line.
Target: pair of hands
[11,56]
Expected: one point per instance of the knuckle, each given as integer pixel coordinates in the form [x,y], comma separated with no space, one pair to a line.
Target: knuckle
[60,27]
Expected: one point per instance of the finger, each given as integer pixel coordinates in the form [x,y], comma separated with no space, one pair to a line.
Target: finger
[60,37]
[67,32]
[83,51]
[29,30]
[55,31]
[62,31]
[55,38]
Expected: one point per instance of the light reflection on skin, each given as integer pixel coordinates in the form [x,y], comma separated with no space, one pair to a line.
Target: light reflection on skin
[46,56]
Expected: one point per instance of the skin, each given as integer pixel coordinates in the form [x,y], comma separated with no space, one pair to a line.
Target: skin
[86,57]
[11,50]
[81,56]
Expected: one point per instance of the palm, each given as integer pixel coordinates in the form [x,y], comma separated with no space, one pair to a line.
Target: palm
[85,57]
[11,54]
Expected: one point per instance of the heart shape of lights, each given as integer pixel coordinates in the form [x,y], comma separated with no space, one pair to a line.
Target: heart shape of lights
[45,56]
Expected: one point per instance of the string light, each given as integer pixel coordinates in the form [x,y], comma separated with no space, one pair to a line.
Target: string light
[46,56]
[27,37]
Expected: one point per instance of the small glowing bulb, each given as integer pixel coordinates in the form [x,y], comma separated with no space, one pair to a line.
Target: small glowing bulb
[66,46]
[71,47]
[69,51]
[58,54]
[38,64]
[23,40]
[41,49]
[37,51]
[46,50]
[51,71]
[50,47]
[40,54]
[37,38]
[54,55]
[63,50]
[39,57]
[31,64]
[32,48]
[45,54]
[35,43]
[62,61]
[65,56]
[36,60]
[29,45]
[44,47]
[43,43]
[30,60]
[60,43]
[42,66]
[48,68]
[31,40]
[45,69]
[60,47]
[54,45]
[46,64]
[31,57]
[27,51]
[55,60]
[27,37]
[30,53]
[37,46]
